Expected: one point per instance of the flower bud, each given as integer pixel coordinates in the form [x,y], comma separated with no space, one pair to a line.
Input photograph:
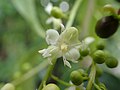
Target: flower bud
[51,86]
[57,12]
[109,8]
[8,86]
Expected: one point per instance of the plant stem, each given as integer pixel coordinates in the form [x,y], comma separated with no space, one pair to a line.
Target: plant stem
[92,77]
[73,13]
[97,87]
[61,81]
[48,73]
[30,73]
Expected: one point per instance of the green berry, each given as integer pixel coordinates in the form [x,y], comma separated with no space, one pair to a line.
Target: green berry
[8,86]
[84,52]
[51,86]
[99,56]
[106,26]
[76,77]
[111,62]
[100,45]
[56,12]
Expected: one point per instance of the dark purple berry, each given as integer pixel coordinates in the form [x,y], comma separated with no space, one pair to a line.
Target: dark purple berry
[106,26]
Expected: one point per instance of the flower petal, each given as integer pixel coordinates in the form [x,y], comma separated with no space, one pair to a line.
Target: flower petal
[51,36]
[48,8]
[69,36]
[51,51]
[89,40]
[66,62]
[45,53]
[72,55]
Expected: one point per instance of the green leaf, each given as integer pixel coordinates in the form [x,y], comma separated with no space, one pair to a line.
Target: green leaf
[27,9]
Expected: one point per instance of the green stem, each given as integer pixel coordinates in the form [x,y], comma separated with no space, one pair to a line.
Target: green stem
[91,77]
[85,78]
[73,13]
[61,81]
[97,87]
[30,73]
[48,73]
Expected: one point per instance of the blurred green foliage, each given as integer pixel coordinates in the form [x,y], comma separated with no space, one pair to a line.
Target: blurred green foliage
[19,42]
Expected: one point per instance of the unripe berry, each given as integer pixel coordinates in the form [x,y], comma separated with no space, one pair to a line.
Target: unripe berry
[8,86]
[84,52]
[111,62]
[76,77]
[106,26]
[56,12]
[99,56]
[100,45]
[51,86]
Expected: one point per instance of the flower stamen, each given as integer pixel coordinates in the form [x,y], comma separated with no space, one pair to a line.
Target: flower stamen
[64,47]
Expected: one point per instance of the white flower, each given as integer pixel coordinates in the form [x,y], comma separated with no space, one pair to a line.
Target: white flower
[65,45]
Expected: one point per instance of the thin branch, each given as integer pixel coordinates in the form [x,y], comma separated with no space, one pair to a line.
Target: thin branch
[73,13]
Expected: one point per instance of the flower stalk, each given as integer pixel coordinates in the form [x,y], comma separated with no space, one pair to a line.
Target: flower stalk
[48,73]
[61,81]
[91,77]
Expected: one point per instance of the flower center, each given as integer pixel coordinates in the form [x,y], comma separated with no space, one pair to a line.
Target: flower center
[64,47]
